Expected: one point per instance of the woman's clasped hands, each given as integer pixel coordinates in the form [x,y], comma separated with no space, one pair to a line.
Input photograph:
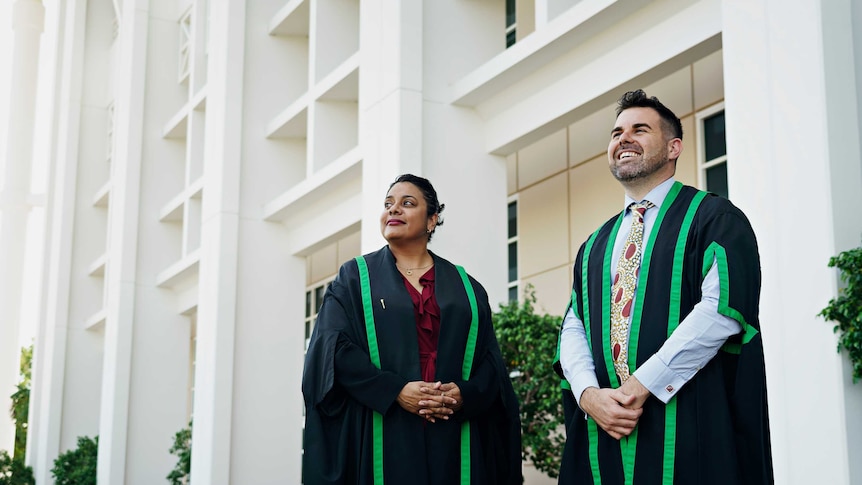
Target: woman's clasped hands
[431,400]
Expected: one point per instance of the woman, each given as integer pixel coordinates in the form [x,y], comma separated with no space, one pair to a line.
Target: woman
[398,369]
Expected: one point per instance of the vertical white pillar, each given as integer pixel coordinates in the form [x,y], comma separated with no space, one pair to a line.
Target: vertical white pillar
[27,17]
[46,398]
[793,150]
[390,103]
[121,269]
[214,369]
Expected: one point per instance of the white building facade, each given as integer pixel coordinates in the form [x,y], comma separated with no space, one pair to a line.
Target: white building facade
[213,162]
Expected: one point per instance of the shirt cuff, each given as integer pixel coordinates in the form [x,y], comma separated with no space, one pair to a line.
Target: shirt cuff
[661,381]
[581,382]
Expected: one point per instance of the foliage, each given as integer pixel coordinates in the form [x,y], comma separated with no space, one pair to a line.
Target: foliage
[847,308]
[78,466]
[528,342]
[13,471]
[181,474]
[21,402]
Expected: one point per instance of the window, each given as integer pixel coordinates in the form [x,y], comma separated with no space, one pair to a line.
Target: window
[513,250]
[193,357]
[185,45]
[511,23]
[109,149]
[712,151]
[313,300]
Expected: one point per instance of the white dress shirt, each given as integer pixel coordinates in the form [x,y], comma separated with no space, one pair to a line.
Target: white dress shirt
[692,345]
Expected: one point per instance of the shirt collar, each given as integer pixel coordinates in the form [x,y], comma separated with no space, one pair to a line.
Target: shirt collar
[656,195]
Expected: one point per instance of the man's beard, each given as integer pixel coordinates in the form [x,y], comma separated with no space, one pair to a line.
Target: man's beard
[645,168]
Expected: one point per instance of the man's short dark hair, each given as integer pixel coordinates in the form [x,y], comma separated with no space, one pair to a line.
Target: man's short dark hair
[638,99]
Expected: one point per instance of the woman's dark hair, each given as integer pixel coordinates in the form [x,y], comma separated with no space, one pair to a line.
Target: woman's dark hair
[638,99]
[428,192]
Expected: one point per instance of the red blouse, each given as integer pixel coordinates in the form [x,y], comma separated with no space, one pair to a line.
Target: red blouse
[427,315]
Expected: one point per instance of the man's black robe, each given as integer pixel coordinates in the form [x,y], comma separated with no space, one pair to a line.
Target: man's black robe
[342,387]
[715,430]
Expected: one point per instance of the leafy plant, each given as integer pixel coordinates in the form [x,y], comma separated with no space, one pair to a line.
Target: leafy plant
[21,402]
[181,474]
[78,466]
[13,471]
[847,308]
[528,342]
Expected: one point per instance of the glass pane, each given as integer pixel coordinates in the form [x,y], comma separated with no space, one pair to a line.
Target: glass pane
[513,219]
[510,38]
[713,136]
[513,293]
[307,304]
[307,329]
[318,297]
[513,261]
[716,179]
[510,12]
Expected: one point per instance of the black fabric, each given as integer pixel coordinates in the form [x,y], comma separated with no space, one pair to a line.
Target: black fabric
[341,386]
[722,430]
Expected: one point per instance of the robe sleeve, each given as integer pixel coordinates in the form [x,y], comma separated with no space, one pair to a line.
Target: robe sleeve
[733,244]
[485,384]
[338,365]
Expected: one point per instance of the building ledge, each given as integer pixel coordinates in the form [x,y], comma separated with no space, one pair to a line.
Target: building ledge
[321,185]
[572,28]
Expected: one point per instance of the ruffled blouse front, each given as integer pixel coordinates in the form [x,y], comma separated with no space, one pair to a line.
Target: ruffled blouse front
[427,314]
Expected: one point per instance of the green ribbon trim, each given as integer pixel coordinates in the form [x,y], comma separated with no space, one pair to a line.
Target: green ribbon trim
[593,439]
[717,252]
[628,446]
[564,384]
[643,277]
[673,321]
[592,429]
[466,369]
[374,353]
[607,283]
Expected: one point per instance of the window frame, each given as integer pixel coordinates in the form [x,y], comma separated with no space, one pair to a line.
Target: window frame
[516,283]
[702,164]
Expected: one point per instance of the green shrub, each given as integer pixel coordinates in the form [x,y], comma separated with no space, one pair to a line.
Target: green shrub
[21,402]
[78,466]
[529,342]
[181,474]
[13,471]
[847,308]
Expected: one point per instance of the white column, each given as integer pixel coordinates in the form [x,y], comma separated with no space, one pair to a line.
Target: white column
[46,398]
[27,19]
[121,268]
[214,371]
[390,103]
[793,151]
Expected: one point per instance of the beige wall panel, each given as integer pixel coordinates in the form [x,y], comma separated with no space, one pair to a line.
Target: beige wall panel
[323,263]
[542,229]
[512,174]
[553,289]
[708,75]
[596,196]
[686,165]
[589,137]
[525,18]
[349,248]
[542,159]
[674,91]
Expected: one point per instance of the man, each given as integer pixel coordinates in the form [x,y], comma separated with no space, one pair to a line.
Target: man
[661,342]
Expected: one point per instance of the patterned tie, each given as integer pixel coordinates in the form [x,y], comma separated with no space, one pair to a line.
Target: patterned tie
[623,289]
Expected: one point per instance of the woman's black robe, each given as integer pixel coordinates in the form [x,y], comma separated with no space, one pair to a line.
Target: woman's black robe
[342,387]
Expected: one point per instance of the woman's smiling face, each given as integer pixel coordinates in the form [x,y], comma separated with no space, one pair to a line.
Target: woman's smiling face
[405,214]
